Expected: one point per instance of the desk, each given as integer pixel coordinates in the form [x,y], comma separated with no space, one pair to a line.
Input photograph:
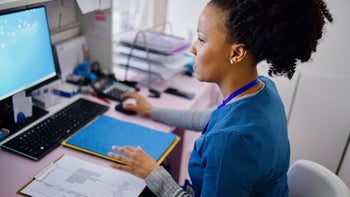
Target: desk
[15,171]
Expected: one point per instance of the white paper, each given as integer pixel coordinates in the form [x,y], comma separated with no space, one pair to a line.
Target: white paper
[23,104]
[71,176]
[165,70]
[105,4]
[68,88]
[70,54]
[87,6]
[152,56]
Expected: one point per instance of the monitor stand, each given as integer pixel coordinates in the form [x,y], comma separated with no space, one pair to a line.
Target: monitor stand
[7,119]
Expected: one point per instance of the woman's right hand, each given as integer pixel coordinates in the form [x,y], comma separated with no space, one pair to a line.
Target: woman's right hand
[142,106]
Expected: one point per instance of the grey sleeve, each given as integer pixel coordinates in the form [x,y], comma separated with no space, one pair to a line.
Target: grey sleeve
[162,184]
[185,119]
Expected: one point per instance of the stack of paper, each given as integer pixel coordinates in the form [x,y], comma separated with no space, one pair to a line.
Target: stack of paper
[153,53]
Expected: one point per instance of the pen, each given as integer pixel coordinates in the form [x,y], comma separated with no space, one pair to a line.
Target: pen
[100,97]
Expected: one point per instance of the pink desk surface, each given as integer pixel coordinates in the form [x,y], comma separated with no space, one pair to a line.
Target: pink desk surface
[16,171]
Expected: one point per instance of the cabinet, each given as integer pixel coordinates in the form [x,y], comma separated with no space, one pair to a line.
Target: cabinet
[318,122]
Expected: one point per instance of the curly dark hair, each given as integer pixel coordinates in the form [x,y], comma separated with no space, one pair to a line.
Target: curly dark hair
[278,31]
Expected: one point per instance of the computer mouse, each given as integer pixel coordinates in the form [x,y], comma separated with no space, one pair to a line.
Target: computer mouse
[120,108]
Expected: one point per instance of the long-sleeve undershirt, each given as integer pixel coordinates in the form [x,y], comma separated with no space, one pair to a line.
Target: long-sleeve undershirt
[194,120]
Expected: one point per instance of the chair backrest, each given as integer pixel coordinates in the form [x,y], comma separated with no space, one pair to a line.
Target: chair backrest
[310,179]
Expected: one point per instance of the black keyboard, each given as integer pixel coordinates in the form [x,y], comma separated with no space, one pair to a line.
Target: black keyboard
[46,135]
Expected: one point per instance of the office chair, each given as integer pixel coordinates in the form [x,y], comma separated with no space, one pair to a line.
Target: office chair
[310,179]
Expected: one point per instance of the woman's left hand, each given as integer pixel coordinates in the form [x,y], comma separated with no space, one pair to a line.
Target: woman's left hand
[136,161]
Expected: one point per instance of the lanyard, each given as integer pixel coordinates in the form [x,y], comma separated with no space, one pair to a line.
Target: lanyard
[237,92]
[233,95]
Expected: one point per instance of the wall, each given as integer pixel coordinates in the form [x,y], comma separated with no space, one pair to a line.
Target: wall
[332,54]
[329,62]
[138,14]
[183,15]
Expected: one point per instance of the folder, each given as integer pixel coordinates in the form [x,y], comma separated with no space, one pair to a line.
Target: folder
[98,138]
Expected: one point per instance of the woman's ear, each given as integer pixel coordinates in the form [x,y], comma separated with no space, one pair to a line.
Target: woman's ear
[238,53]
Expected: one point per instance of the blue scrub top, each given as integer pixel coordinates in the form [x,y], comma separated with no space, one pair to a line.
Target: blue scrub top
[245,149]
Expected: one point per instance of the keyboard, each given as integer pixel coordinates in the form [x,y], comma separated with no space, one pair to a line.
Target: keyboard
[38,140]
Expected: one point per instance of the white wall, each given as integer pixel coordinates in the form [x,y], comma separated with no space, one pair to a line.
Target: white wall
[333,52]
[183,15]
[330,60]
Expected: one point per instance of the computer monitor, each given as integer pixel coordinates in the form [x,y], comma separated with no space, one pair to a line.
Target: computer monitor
[27,58]
[26,54]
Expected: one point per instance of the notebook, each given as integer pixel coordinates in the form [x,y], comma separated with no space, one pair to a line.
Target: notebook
[98,138]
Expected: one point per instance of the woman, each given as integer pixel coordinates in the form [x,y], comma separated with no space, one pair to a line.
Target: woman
[244,148]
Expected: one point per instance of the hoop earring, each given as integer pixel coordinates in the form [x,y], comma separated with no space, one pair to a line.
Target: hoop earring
[231,61]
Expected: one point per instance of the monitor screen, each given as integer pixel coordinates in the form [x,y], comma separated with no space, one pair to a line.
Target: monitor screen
[26,54]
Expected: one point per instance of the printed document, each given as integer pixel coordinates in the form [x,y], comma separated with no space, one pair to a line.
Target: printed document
[70,176]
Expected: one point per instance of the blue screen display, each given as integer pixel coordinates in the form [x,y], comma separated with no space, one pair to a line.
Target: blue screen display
[26,57]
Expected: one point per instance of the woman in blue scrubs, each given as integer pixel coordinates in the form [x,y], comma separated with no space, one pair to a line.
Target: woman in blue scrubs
[244,147]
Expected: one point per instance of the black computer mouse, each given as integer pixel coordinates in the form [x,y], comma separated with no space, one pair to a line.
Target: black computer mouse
[121,109]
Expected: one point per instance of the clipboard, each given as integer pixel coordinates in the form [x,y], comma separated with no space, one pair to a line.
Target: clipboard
[21,190]
[68,175]
[98,138]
